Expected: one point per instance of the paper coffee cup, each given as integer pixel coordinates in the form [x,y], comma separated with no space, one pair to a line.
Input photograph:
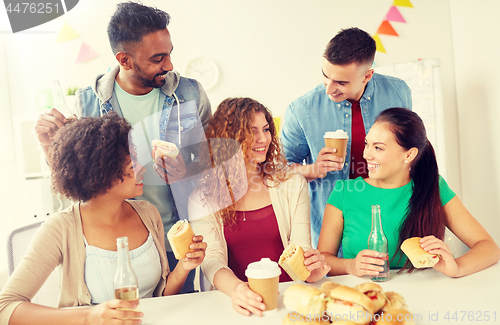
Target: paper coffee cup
[337,140]
[263,278]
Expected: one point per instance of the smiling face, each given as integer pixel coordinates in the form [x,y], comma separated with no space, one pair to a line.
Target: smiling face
[151,59]
[388,162]
[345,81]
[257,150]
[132,185]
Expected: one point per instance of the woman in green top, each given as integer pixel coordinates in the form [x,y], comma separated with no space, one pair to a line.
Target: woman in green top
[414,201]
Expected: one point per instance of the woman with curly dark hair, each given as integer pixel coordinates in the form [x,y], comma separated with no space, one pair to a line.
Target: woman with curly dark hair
[248,206]
[91,163]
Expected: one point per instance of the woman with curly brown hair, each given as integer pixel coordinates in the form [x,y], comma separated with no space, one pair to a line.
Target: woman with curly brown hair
[248,206]
[91,163]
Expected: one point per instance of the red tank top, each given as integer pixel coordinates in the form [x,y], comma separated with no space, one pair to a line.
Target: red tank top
[255,238]
[358,163]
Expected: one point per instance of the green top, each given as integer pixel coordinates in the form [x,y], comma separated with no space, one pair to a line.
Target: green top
[355,197]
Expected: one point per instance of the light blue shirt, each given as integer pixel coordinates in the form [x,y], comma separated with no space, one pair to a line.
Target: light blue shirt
[310,116]
[101,266]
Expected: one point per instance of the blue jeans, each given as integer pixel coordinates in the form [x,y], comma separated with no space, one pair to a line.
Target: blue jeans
[188,286]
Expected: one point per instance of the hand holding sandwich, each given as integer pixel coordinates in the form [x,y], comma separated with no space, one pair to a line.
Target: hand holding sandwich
[193,259]
[447,263]
[168,169]
[365,263]
[187,248]
[315,263]
[169,164]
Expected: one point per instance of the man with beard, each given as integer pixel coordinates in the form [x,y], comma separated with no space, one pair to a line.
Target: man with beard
[157,101]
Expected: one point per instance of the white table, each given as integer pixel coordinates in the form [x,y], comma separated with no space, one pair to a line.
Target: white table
[432,297]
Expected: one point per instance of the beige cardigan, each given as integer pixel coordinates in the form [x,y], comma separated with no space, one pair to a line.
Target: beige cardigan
[291,204]
[59,242]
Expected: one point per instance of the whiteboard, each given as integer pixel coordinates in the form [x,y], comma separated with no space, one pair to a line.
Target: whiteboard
[424,79]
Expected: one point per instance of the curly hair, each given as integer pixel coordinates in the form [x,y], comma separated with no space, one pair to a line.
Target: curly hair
[351,45]
[132,21]
[228,132]
[89,156]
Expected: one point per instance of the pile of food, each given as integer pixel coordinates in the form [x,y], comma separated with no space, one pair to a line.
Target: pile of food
[365,303]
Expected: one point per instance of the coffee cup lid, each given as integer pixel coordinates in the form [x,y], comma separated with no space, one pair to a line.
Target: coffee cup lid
[339,134]
[263,269]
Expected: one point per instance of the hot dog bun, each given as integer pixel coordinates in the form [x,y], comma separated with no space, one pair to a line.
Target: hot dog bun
[304,299]
[327,287]
[292,261]
[348,301]
[417,255]
[164,148]
[180,236]
[394,301]
[374,292]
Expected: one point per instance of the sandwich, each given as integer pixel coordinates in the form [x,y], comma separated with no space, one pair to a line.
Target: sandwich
[394,301]
[417,255]
[346,303]
[292,261]
[395,317]
[180,237]
[327,287]
[374,292]
[304,299]
[164,148]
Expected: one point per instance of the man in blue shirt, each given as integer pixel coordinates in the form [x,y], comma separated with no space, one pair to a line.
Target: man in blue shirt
[350,98]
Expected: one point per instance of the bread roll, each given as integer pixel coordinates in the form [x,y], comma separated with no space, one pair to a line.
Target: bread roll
[304,299]
[394,301]
[417,255]
[327,287]
[292,261]
[180,237]
[164,148]
[374,292]
[346,302]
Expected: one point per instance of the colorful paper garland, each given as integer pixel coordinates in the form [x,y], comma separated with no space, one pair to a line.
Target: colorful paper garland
[385,27]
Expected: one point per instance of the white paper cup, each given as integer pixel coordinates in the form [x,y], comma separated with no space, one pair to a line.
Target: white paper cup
[263,278]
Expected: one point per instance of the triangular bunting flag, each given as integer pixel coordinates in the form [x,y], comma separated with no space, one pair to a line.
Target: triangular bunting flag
[386,29]
[402,3]
[380,47]
[86,53]
[67,33]
[395,15]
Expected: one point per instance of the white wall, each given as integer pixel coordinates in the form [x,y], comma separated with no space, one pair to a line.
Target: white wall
[477,64]
[269,50]
[7,162]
